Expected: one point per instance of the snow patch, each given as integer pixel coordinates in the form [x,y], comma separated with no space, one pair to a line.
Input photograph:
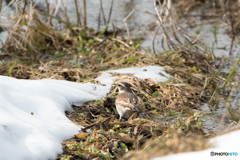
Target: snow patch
[229,142]
[39,136]
[32,112]
[149,72]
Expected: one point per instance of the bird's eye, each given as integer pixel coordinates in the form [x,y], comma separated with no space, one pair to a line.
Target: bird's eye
[119,85]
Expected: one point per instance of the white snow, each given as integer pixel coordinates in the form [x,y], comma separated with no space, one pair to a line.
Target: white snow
[148,72]
[229,142]
[24,136]
[32,119]
[106,79]
[39,136]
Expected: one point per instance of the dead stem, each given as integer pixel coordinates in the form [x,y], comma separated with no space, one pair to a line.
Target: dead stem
[228,103]
[232,25]
[9,4]
[84,14]
[78,15]
[103,15]
[153,41]
[23,10]
[48,11]
[65,14]
[125,23]
[110,12]
[99,19]
[0,5]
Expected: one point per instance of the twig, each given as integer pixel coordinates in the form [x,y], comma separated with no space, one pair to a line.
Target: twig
[96,111]
[25,3]
[0,5]
[65,13]
[110,12]
[238,125]
[153,42]
[9,4]
[226,108]
[84,14]
[47,5]
[57,8]
[104,19]
[99,19]
[232,26]
[95,124]
[78,15]
[48,11]
[114,30]
[125,44]
[124,21]
[101,42]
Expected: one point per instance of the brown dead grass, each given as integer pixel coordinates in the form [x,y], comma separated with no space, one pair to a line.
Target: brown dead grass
[193,81]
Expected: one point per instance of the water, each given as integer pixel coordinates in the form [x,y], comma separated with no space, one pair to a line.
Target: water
[140,24]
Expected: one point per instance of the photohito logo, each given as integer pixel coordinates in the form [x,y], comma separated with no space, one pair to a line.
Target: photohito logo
[223,154]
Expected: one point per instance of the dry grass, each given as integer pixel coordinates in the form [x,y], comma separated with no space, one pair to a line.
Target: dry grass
[175,130]
[176,101]
[176,144]
[195,79]
[30,36]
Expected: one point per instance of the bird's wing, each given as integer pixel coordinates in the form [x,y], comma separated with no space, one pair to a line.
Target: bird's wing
[128,100]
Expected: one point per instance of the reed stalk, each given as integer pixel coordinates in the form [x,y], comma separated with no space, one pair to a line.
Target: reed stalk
[0,5]
[84,14]
[48,11]
[78,15]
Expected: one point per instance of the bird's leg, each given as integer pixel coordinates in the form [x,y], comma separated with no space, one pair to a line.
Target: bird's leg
[120,118]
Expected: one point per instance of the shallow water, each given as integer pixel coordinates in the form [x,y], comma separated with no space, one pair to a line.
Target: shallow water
[141,25]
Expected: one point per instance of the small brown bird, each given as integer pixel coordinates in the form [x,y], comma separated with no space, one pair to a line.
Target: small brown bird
[126,102]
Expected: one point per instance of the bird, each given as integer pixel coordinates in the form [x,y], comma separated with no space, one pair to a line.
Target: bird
[126,102]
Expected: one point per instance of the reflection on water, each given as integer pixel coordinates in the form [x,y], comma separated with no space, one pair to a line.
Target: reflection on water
[213,118]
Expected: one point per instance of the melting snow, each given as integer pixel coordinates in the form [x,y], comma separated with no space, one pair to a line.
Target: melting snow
[33,123]
[39,136]
[229,142]
[32,112]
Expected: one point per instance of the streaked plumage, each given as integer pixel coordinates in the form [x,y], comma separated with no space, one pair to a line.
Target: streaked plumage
[126,102]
